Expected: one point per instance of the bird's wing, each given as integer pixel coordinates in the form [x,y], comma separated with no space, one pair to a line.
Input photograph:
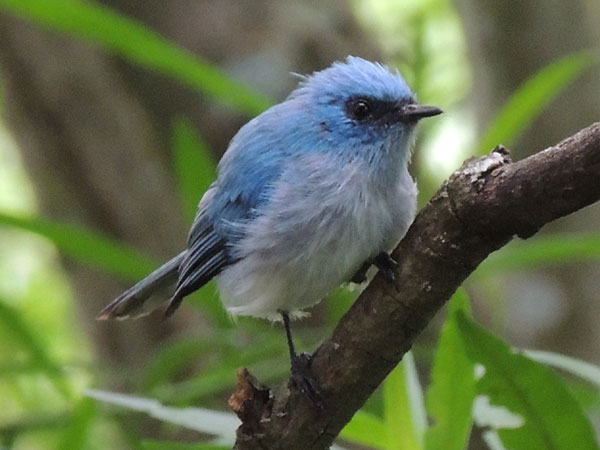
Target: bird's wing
[206,256]
[248,170]
[231,202]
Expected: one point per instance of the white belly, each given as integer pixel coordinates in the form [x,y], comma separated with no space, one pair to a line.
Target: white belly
[312,237]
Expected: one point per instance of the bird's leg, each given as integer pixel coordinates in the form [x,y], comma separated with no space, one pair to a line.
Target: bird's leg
[301,367]
[361,274]
[387,266]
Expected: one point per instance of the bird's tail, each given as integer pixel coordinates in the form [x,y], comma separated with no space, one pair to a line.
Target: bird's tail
[146,295]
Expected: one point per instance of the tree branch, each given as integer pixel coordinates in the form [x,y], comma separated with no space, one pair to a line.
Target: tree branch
[478,210]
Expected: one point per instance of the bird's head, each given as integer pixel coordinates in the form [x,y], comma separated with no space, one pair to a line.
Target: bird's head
[361,104]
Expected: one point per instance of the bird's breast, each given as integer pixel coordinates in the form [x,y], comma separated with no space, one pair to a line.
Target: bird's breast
[321,223]
[324,213]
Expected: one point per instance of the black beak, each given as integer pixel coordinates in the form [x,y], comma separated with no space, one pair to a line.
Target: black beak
[413,112]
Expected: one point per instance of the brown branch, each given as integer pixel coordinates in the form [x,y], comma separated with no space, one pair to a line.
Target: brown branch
[478,210]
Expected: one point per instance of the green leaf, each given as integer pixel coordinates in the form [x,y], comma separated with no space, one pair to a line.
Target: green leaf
[186,392]
[581,369]
[366,429]
[536,408]
[450,396]
[175,356]
[264,354]
[181,354]
[530,99]
[77,434]
[31,422]
[17,369]
[217,379]
[25,337]
[586,395]
[194,166]
[403,407]
[87,247]
[216,423]
[159,445]
[138,44]
[558,248]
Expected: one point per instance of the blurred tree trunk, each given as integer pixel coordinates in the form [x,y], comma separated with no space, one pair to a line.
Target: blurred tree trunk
[95,131]
[259,43]
[509,41]
[86,141]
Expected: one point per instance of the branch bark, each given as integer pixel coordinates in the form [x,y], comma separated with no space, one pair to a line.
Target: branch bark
[478,210]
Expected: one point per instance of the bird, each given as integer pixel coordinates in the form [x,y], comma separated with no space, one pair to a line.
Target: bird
[308,196]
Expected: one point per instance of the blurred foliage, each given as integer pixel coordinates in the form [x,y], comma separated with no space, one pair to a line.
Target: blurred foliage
[476,378]
[425,40]
[85,246]
[450,396]
[138,44]
[537,410]
[530,99]
[403,409]
[194,167]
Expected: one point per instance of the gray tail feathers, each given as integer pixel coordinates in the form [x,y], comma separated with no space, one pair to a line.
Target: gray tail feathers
[146,295]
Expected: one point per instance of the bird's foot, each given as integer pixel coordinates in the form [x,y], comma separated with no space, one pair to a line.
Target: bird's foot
[304,379]
[387,266]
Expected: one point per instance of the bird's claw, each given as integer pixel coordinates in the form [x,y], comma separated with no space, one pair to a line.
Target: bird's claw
[387,266]
[304,380]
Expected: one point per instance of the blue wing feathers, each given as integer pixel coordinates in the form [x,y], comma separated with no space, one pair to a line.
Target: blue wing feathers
[206,257]
[246,175]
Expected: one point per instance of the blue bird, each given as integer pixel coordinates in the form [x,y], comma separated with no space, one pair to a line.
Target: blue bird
[308,196]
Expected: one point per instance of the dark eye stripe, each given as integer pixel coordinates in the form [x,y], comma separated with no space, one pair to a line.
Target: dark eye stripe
[372,109]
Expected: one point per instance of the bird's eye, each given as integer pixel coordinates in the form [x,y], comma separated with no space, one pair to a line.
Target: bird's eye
[361,109]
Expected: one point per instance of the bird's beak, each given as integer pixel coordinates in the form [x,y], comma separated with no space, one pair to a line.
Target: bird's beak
[413,112]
